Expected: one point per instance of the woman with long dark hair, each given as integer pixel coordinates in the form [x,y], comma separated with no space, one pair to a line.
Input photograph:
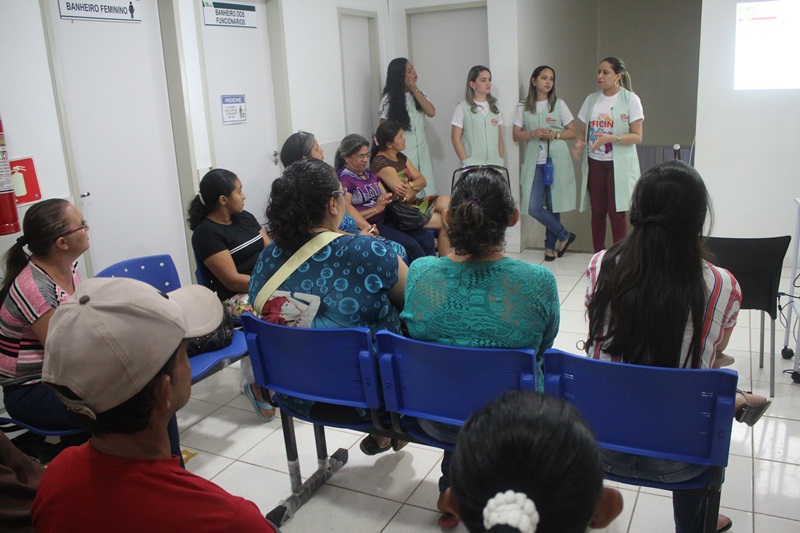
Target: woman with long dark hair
[405,103]
[654,299]
[476,125]
[399,176]
[607,148]
[547,119]
[34,285]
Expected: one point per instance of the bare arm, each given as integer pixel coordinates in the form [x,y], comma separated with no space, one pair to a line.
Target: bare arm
[634,137]
[500,142]
[577,150]
[391,179]
[362,216]
[422,100]
[40,326]
[222,266]
[416,180]
[455,137]
[397,294]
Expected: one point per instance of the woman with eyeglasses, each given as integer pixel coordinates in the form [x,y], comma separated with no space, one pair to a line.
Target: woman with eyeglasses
[475,132]
[355,281]
[35,284]
[476,296]
[544,123]
[227,241]
[399,176]
[405,103]
[351,222]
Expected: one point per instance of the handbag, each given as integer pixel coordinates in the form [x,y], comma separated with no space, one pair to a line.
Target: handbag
[407,217]
[285,308]
[216,340]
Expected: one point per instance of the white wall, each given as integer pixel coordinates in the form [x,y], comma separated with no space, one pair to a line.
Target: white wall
[746,140]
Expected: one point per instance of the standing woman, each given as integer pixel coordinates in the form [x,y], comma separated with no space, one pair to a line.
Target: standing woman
[544,116]
[405,103]
[34,285]
[610,165]
[475,131]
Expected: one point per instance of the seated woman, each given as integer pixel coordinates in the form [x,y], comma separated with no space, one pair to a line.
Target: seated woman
[475,296]
[227,240]
[529,462]
[355,280]
[400,177]
[302,145]
[33,287]
[657,301]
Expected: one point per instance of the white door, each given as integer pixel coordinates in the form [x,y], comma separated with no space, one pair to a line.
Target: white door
[114,93]
[360,73]
[443,46]
[237,62]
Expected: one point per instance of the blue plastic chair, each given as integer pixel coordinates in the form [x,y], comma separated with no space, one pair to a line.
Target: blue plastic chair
[160,272]
[680,414]
[446,383]
[334,366]
[10,425]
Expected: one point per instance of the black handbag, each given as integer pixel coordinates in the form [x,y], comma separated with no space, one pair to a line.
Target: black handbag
[216,340]
[407,217]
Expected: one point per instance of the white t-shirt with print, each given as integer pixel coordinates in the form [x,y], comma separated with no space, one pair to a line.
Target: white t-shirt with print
[543,107]
[483,108]
[601,123]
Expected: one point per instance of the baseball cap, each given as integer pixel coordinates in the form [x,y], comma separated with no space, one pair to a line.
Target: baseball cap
[114,334]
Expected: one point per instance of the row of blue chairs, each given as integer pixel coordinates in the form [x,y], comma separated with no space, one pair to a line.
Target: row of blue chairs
[684,415]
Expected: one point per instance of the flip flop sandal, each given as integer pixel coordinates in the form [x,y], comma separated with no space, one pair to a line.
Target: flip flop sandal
[370,446]
[563,249]
[549,257]
[398,445]
[448,521]
[258,405]
[726,527]
[749,413]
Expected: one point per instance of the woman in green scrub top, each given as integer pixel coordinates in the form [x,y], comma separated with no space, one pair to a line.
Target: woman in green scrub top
[476,122]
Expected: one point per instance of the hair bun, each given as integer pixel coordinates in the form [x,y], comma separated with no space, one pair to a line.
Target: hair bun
[513,509]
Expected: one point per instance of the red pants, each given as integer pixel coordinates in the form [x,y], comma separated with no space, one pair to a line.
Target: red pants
[601,194]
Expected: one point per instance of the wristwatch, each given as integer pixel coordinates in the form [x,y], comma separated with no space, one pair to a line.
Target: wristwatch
[619,139]
[558,135]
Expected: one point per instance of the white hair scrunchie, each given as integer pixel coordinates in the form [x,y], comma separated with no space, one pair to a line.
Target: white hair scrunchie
[513,509]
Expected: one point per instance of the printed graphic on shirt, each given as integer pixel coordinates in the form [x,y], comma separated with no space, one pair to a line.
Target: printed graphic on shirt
[602,125]
[366,195]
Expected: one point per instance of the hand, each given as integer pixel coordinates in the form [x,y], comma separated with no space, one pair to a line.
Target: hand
[543,133]
[602,140]
[411,85]
[371,231]
[382,201]
[577,150]
[402,190]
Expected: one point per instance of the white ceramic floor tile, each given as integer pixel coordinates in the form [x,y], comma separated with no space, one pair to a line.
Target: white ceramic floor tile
[742,521]
[567,282]
[271,452]
[786,403]
[334,510]
[204,464]
[737,491]
[228,432]
[219,388]
[741,439]
[568,341]
[773,524]
[574,322]
[427,493]
[574,302]
[393,476]
[623,521]
[777,440]
[741,364]
[262,486]
[776,489]
[412,519]
[653,514]
[193,412]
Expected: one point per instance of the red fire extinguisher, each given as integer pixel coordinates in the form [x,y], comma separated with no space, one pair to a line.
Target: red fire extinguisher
[9,217]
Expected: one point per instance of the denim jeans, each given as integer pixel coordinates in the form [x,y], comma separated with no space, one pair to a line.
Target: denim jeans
[688,509]
[444,433]
[540,207]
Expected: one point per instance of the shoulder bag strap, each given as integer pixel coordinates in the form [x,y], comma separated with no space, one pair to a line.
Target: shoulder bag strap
[293,263]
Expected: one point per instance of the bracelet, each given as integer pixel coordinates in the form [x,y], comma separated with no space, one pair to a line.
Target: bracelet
[558,135]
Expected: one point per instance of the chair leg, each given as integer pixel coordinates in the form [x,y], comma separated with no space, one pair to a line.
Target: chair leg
[322,446]
[712,512]
[761,351]
[772,360]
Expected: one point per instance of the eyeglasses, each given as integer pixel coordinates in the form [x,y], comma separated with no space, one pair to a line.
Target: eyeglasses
[360,157]
[84,225]
[460,173]
[337,194]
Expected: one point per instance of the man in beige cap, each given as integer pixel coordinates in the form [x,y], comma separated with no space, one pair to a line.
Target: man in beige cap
[116,356]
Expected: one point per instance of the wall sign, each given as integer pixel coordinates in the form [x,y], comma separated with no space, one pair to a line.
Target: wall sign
[104,10]
[26,184]
[229,14]
[234,109]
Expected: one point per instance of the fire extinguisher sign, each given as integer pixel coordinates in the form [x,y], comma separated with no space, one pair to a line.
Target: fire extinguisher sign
[24,180]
